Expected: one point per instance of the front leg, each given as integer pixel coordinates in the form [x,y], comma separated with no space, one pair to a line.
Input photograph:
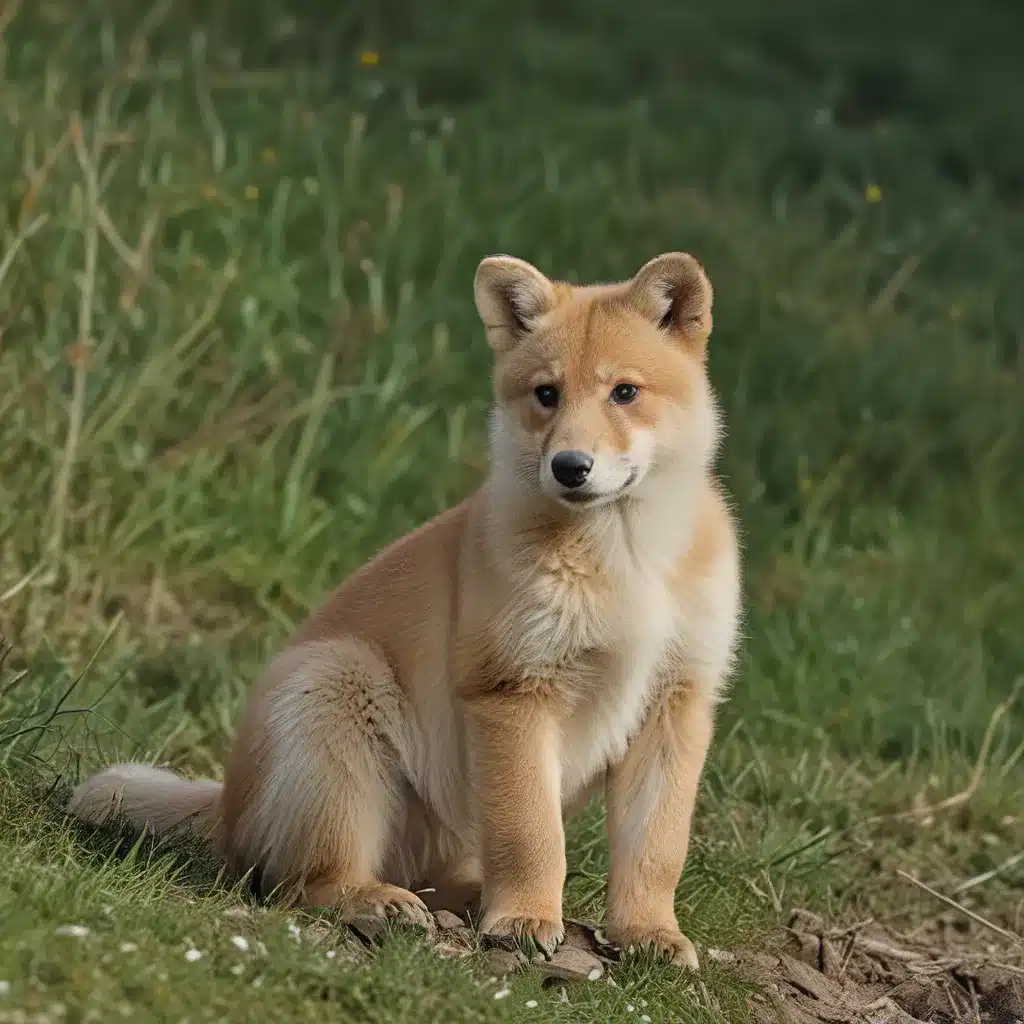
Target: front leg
[651,794]
[517,777]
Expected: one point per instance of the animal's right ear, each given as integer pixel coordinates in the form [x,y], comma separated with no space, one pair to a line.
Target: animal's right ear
[511,296]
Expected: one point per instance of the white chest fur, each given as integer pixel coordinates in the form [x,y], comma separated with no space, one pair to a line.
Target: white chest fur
[611,710]
[597,623]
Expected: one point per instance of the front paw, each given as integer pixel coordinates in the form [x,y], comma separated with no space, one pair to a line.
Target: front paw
[670,943]
[532,935]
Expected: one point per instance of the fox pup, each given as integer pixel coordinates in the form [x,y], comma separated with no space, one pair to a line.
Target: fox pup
[571,625]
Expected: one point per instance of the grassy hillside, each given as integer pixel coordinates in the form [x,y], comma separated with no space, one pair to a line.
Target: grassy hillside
[238,353]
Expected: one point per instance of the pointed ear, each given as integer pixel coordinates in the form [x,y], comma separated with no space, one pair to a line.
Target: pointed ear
[673,292]
[511,296]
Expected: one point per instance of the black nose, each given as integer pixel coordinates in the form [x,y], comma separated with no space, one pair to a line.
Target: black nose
[571,468]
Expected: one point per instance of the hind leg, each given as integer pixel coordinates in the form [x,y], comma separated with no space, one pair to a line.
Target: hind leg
[314,790]
[356,903]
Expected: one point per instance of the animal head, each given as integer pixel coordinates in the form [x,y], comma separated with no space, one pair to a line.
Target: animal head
[599,389]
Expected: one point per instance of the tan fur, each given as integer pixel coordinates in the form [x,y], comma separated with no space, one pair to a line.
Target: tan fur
[451,703]
[154,798]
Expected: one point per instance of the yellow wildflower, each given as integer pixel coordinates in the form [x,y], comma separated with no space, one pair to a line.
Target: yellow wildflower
[369,58]
[252,193]
[873,193]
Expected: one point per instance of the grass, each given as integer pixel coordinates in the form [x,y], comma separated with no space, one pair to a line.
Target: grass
[238,354]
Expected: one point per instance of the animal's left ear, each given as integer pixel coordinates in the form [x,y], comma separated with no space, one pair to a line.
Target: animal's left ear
[673,292]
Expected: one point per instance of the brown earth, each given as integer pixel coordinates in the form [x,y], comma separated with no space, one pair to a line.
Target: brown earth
[864,974]
[818,975]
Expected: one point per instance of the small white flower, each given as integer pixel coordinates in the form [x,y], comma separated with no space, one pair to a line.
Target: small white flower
[502,993]
[630,1007]
[128,947]
[74,931]
[531,1004]
[238,969]
[257,982]
[646,1019]
[250,310]
[240,942]
[5,988]
[331,954]
[643,1003]
[193,955]
[294,931]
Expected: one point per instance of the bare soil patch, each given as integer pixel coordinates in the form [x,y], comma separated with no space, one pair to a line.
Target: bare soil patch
[865,974]
[862,974]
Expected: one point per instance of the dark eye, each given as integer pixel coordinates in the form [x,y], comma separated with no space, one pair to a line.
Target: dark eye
[623,394]
[547,395]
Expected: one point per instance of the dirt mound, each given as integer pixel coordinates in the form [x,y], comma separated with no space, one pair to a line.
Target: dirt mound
[857,975]
[862,974]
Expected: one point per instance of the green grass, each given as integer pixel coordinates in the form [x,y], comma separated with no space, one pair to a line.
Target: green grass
[238,353]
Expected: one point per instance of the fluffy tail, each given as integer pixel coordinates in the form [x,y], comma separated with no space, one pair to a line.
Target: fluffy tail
[152,798]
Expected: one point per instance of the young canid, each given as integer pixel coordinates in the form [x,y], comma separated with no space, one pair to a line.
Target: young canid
[569,625]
